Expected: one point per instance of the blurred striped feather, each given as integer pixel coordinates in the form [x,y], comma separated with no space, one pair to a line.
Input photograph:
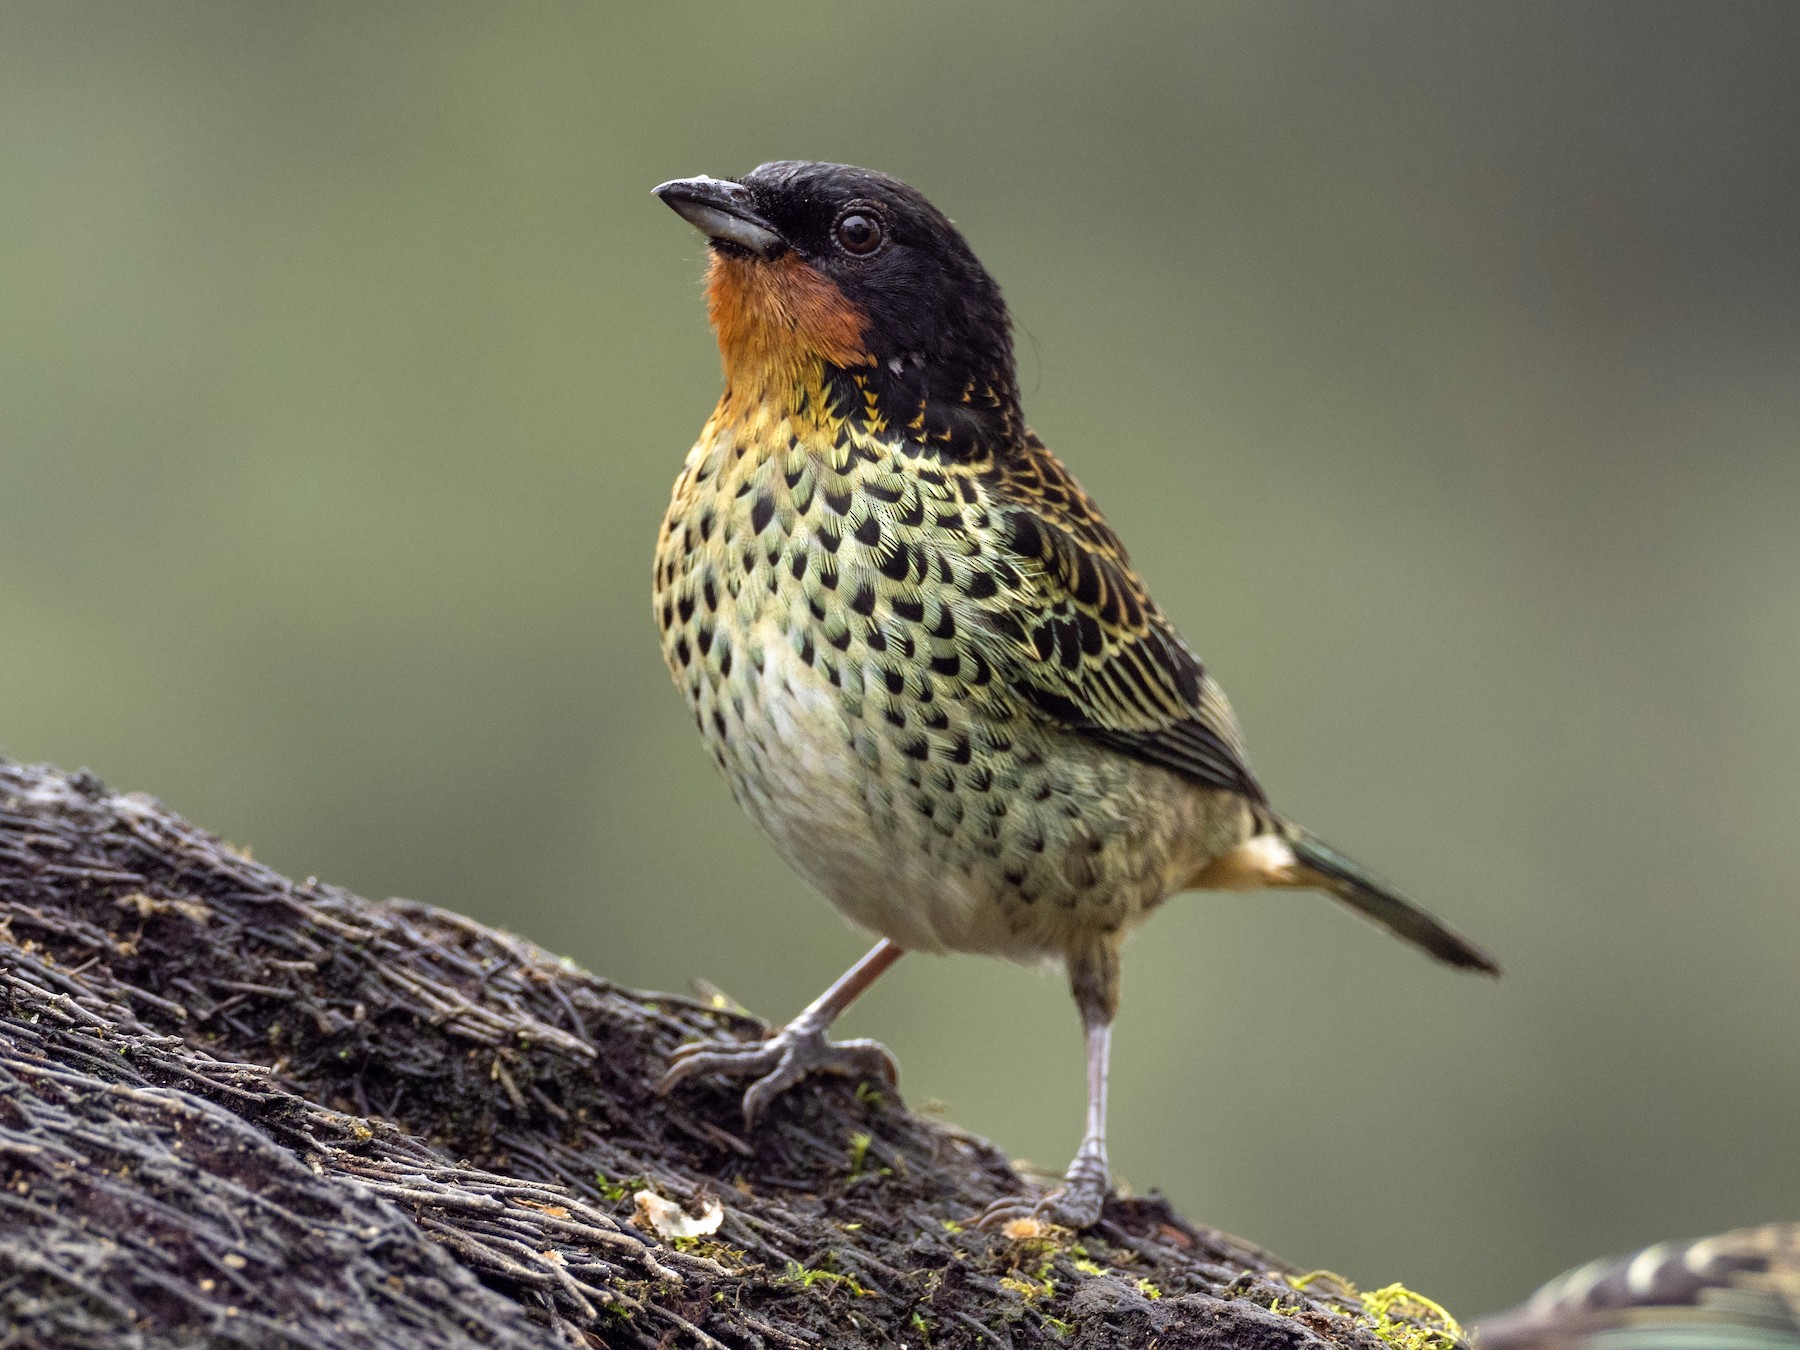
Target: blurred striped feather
[1736,1291]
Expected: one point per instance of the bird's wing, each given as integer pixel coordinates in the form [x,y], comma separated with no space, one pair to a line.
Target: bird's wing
[1080,640]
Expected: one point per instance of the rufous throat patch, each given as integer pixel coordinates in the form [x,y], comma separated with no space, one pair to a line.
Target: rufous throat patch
[774,319]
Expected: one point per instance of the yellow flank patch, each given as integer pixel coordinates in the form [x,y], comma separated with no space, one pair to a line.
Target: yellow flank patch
[1253,865]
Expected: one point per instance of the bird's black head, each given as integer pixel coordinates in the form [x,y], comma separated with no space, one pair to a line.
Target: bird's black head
[853,269]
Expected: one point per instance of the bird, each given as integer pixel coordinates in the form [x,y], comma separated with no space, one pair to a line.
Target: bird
[920,655]
[1736,1291]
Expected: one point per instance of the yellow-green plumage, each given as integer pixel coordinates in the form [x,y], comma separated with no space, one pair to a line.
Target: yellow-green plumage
[853,631]
[917,651]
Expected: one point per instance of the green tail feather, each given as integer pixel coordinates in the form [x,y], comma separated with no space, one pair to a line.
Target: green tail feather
[1362,890]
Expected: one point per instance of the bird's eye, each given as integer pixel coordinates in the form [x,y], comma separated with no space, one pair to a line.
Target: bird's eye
[858,232]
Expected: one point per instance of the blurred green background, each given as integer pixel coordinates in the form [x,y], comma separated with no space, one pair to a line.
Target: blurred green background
[1440,363]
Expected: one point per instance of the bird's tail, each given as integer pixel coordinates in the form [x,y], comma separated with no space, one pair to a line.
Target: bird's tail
[1322,866]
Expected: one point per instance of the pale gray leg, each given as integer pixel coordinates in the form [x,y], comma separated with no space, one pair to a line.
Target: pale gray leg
[1078,1201]
[797,1049]
[1084,1187]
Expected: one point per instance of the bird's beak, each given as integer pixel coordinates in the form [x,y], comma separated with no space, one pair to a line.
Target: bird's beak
[721,210]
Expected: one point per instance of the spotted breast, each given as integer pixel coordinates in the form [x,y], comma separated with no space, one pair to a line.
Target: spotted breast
[831,600]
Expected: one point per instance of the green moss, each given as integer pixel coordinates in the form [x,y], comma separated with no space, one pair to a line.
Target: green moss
[1411,1321]
[806,1278]
[859,1151]
[1402,1318]
[1028,1289]
[617,1191]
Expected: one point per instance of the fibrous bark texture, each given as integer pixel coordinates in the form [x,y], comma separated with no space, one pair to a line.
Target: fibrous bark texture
[237,1109]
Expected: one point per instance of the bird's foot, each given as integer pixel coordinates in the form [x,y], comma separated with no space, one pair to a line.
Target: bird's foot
[1075,1204]
[780,1062]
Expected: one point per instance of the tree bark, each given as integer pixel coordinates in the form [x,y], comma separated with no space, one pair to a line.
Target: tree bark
[240,1110]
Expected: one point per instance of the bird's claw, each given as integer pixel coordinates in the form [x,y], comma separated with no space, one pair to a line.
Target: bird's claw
[1066,1207]
[1076,1204]
[779,1063]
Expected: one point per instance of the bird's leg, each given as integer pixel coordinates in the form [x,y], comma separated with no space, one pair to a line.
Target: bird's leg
[797,1049]
[1088,1179]
[1094,978]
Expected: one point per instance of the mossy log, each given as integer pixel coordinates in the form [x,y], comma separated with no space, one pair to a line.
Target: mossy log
[237,1109]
